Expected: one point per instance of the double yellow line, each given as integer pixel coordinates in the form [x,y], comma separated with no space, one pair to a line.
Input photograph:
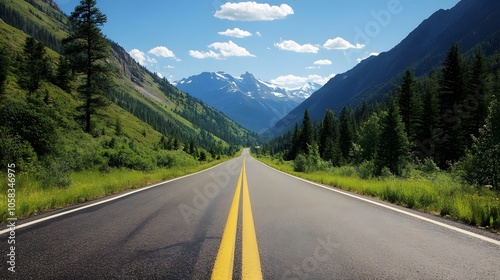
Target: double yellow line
[250,267]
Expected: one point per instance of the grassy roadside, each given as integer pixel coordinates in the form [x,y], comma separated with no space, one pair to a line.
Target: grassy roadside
[437,193]
[32,198]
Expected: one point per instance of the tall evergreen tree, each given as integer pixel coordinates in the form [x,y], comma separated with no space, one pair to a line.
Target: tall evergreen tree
[4,67]
[306,133]
[346,137]
[64,74]
[34,65]
[329,138]
[410,106]
[426,143]
[294,143]
[87,48]
[477,109]
[451,97]
[393,146]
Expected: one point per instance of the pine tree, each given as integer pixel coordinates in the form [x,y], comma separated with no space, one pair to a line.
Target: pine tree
[34,67]
[306,133]
[64,74]
[451,97]
[393,146]
[477,109]
[4,68]
[294,143]
[346,137]
[87,48]
[329,138]
[410,106]
[426,143]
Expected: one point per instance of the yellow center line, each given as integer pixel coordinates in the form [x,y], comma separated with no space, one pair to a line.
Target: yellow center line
[251,268]
[223,268]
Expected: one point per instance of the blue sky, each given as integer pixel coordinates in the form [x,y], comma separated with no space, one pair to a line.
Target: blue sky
[288,42]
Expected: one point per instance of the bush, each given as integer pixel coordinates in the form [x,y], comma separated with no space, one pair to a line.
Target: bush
[300,163]
[366,169]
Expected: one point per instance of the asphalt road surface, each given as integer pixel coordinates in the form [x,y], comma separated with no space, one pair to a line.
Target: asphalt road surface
[244,220]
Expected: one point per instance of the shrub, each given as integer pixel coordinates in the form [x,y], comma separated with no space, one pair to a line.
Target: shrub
[300,163]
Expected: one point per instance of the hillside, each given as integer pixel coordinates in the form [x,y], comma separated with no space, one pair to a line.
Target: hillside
[139,92]
[254,104]
[470,23]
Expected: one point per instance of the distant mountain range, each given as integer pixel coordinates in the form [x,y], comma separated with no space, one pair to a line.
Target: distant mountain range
[253,103]
[470,24]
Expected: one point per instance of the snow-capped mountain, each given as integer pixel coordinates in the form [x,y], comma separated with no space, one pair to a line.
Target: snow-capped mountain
[254,104]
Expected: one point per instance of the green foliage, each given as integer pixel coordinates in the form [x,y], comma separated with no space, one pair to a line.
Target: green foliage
[300,163]
[393,145]
[87,48]
[4,67]
[329,133]
[34,66]
[306,136]
[346,137]
[482,163]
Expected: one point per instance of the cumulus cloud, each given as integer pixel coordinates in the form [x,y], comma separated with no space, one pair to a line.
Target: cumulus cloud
[253,11]
[139,56]
[142,58]
[221,50]
[341,44]
[236,33]
[162,51]
[290,45]
[293,81]
[323,62]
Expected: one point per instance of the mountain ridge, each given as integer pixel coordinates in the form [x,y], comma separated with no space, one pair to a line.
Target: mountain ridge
[468,24]
[251,102]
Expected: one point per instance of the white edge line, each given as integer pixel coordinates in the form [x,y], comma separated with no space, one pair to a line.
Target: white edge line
[484,238]
[107,200]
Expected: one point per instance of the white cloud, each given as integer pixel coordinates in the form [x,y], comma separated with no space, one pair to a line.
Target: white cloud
[139,56]
[323,62]
[236,33]
[371,54]
[253,11]
[222,50]
[258,34]
[142,58]
[162,51]
[290,45]
[159,75]
[293,81]
[341,44]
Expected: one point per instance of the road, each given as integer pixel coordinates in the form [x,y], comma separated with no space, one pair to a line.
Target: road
[280,226]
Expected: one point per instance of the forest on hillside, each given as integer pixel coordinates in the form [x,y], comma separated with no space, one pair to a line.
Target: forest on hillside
[448,119]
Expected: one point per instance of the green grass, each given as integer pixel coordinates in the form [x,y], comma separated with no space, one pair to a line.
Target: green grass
[438,193]
[33,198]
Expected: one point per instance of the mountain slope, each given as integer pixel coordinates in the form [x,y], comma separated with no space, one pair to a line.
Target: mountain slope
[140,92]
[469,23]
[254,104]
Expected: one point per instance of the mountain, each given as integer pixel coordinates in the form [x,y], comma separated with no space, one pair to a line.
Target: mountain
[254,104]
[471,23]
